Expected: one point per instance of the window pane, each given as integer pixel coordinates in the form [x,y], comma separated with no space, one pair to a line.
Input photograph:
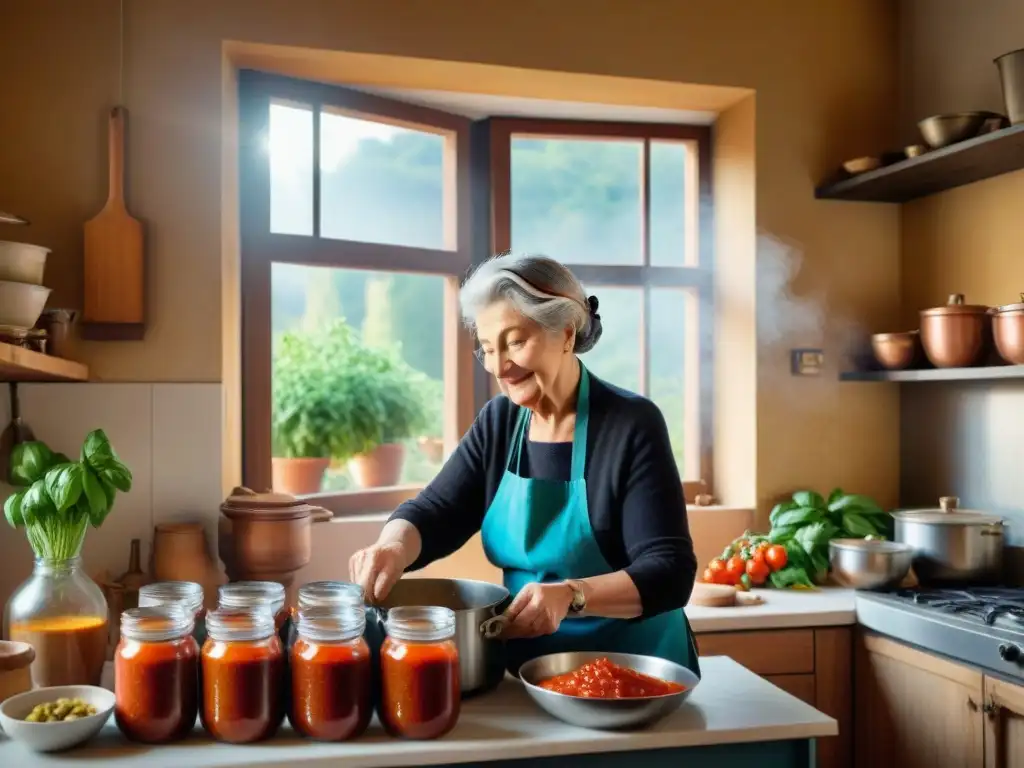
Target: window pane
[577,201]
[380,183]
[616,358]
[673,319]
[358,362]
[669,217]
[290,148]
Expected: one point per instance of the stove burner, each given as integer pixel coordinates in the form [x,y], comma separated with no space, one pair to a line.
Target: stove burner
[985,603]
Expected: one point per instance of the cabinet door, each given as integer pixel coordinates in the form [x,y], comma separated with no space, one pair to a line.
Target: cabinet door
[1004,724]
[915,710]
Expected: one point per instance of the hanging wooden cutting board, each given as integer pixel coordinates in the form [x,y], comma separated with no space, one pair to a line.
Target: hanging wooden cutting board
[114,248]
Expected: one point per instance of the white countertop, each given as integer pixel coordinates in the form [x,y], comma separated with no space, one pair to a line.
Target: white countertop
[731,705]
[781,609]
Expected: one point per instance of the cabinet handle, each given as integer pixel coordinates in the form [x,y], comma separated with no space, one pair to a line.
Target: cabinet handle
[972,704]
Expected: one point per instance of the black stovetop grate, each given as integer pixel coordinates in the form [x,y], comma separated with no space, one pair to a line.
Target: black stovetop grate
[985,603]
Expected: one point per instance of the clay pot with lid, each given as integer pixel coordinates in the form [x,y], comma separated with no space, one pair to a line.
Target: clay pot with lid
[1008,331]
[266,536]
[957,334]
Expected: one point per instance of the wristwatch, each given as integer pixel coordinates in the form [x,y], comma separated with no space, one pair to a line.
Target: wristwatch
[579,598]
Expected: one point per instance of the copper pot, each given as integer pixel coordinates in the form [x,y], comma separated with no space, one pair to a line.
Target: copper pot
[956,335]
[896,351]
[1008,331]
[266,536]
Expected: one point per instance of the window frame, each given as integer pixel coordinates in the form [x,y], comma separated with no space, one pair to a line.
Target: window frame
[697,277]
[260,248]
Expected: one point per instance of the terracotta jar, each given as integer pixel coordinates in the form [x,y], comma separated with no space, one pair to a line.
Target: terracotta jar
[266,536]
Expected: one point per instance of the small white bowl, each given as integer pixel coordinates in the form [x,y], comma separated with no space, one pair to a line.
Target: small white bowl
[21,304]
[51,737]
[22,262]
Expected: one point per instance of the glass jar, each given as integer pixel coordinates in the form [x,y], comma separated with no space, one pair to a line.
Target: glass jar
[243,676]
[420,686]
[323,594]
[255,594]
[188,594]
[62,614]
[155,674]
[331,673]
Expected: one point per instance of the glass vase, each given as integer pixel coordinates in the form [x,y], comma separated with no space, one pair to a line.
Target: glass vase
[62,613]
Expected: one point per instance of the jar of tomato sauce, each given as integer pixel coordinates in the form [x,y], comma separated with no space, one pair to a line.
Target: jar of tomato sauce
[419,664]
[331,673]
[323,594]
[188,594]
[243,676]
[256,594]
[155,668]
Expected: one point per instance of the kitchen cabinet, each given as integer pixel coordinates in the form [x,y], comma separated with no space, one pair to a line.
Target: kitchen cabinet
[813,665]
[913,708]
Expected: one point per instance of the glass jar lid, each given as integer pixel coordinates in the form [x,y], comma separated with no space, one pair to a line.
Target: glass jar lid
[336,623]
[240,624]
[253,594]
[157,623]
[187,593]
[328,593]
[420,624]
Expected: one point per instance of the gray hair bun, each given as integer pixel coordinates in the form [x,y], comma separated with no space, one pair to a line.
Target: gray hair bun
[591,334]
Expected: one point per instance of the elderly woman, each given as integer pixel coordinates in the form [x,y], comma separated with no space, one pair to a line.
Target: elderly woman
[570,480]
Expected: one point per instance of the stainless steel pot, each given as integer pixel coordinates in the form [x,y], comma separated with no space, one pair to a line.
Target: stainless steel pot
[478,624]
[869,564]
[953,546]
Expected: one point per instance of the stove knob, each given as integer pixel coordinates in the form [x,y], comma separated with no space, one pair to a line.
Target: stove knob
[1009,652]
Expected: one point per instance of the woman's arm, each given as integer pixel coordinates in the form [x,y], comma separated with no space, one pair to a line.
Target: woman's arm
[662,564]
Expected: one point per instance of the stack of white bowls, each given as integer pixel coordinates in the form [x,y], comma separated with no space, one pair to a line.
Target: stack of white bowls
[22,295]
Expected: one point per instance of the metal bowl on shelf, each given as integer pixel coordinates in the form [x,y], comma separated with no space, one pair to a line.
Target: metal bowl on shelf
[606,714]
[869,563]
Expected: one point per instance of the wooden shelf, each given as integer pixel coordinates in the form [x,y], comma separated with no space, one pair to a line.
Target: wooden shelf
[982,157]
[19,364]
[981,373]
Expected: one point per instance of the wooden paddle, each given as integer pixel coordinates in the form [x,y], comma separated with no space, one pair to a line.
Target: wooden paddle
[114,284]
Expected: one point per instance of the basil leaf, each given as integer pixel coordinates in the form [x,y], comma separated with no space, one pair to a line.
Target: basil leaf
[791,576]
[837,493]
[118,476]
[96,451]
[855,503]
[94,494]
[64,485]
[810,499]
[37,505]
[12,509]
[30,461]
[780,509]
[857,526]
[798,516]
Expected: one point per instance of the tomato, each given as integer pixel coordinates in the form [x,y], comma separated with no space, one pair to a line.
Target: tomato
[718,573]
[708,577]
[735,568]
[776,557]
[758,571]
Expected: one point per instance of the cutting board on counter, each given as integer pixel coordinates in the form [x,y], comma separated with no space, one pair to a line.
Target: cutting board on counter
[721,596]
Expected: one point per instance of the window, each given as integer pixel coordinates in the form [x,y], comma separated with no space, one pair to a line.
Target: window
[357,378]
[621,205]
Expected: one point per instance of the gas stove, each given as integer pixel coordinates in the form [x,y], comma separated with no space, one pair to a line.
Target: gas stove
[980,626]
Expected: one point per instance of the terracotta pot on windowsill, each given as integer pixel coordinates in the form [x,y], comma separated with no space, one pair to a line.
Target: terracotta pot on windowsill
[298,476]
[380,468]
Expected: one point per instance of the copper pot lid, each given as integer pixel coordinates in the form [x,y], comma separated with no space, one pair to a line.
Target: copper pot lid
[948,513]
[1010,308]
[955,306]
[244,502]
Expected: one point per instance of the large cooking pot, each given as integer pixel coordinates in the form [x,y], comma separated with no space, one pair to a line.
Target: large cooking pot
[956,335]
[477,606]
[951,545]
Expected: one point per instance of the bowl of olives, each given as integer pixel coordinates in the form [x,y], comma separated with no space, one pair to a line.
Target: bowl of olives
[58,717]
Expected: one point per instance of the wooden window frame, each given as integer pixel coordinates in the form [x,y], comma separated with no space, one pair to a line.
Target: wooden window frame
[697,277]
[260,248]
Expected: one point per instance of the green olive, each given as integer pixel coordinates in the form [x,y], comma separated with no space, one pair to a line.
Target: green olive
[71,717]
[33,717]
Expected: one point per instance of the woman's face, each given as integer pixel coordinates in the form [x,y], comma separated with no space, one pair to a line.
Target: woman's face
[525,359]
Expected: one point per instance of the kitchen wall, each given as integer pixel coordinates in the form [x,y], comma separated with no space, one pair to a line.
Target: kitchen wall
[961,438]
[822,75]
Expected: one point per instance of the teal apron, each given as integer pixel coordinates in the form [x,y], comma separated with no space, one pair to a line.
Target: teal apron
[539,531]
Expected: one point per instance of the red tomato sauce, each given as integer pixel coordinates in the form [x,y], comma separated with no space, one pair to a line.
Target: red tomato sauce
[603,679]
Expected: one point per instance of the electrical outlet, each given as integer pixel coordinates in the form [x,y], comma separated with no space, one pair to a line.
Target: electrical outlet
[807,362]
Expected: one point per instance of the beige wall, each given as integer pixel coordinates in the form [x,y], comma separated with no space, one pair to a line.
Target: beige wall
[825,91]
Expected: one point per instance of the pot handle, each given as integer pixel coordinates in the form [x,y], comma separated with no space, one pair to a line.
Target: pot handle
[949,503]
[493,627]
[320,515]
[955,299]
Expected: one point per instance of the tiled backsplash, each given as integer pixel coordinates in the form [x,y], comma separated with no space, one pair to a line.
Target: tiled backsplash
[169,435]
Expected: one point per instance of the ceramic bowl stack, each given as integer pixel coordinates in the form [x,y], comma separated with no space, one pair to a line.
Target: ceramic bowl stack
[22,295]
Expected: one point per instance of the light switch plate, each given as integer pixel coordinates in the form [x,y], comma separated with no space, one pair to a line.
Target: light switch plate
[807,362]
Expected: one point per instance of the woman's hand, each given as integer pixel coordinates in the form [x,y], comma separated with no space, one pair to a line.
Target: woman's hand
[377,568]
[537,610]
